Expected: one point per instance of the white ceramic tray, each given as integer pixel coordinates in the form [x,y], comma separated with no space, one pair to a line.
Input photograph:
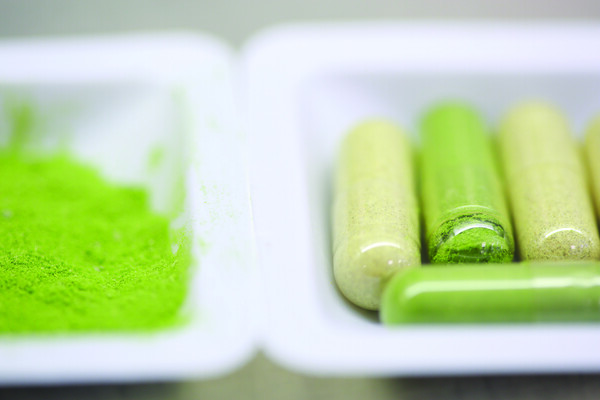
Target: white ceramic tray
[114,100]
[305,86]
[301,88]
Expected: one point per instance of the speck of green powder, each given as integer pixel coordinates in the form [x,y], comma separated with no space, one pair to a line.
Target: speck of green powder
[22,116]
[156,157]
[80,254]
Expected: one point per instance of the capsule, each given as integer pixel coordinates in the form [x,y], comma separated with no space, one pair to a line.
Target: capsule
[529,292]
[465,212]
[592,152]
[546,181]
[375,214]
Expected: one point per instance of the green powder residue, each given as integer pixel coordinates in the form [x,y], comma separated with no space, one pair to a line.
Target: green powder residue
[22,116]
[156,157]
[80,254]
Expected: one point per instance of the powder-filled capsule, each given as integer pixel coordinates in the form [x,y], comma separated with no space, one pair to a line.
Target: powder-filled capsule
[592,152]
[546,183]
[375,212]
[526,292]
[464,206]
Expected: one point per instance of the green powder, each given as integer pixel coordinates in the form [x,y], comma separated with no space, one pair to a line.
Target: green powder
[375,212]
[466,218]
[80,254]
[553,213]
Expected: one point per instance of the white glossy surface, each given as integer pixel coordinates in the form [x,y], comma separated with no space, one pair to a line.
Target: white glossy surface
[305,86]
[115,100]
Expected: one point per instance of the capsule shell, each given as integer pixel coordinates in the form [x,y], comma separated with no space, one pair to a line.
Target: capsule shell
[466,217]
[375,213]
[592,152]
[547,188]
[537,292]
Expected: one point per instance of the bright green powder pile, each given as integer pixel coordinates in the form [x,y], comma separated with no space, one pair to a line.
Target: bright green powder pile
[80,254]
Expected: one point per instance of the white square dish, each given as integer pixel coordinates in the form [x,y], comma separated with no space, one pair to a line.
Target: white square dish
[113,101]
[305,87]
[116,99]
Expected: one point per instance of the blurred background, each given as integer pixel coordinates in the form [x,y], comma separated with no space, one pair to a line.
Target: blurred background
[235,22]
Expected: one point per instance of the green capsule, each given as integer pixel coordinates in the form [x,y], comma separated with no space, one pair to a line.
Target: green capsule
[466,218]
[375,214]
[544,292]
[551,204]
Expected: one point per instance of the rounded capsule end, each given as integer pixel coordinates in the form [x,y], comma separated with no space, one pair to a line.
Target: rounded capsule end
[473,242]
[396,297]
[361,274]
[564,244]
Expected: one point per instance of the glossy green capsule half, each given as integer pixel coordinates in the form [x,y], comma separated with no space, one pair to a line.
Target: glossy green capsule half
[464,206]
[524,292]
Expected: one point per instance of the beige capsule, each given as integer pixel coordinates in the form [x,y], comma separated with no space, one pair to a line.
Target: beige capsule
[546,182]
[592,152]
[375,214]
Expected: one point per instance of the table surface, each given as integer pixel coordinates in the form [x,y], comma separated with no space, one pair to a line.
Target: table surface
[236,21]
[261,379]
